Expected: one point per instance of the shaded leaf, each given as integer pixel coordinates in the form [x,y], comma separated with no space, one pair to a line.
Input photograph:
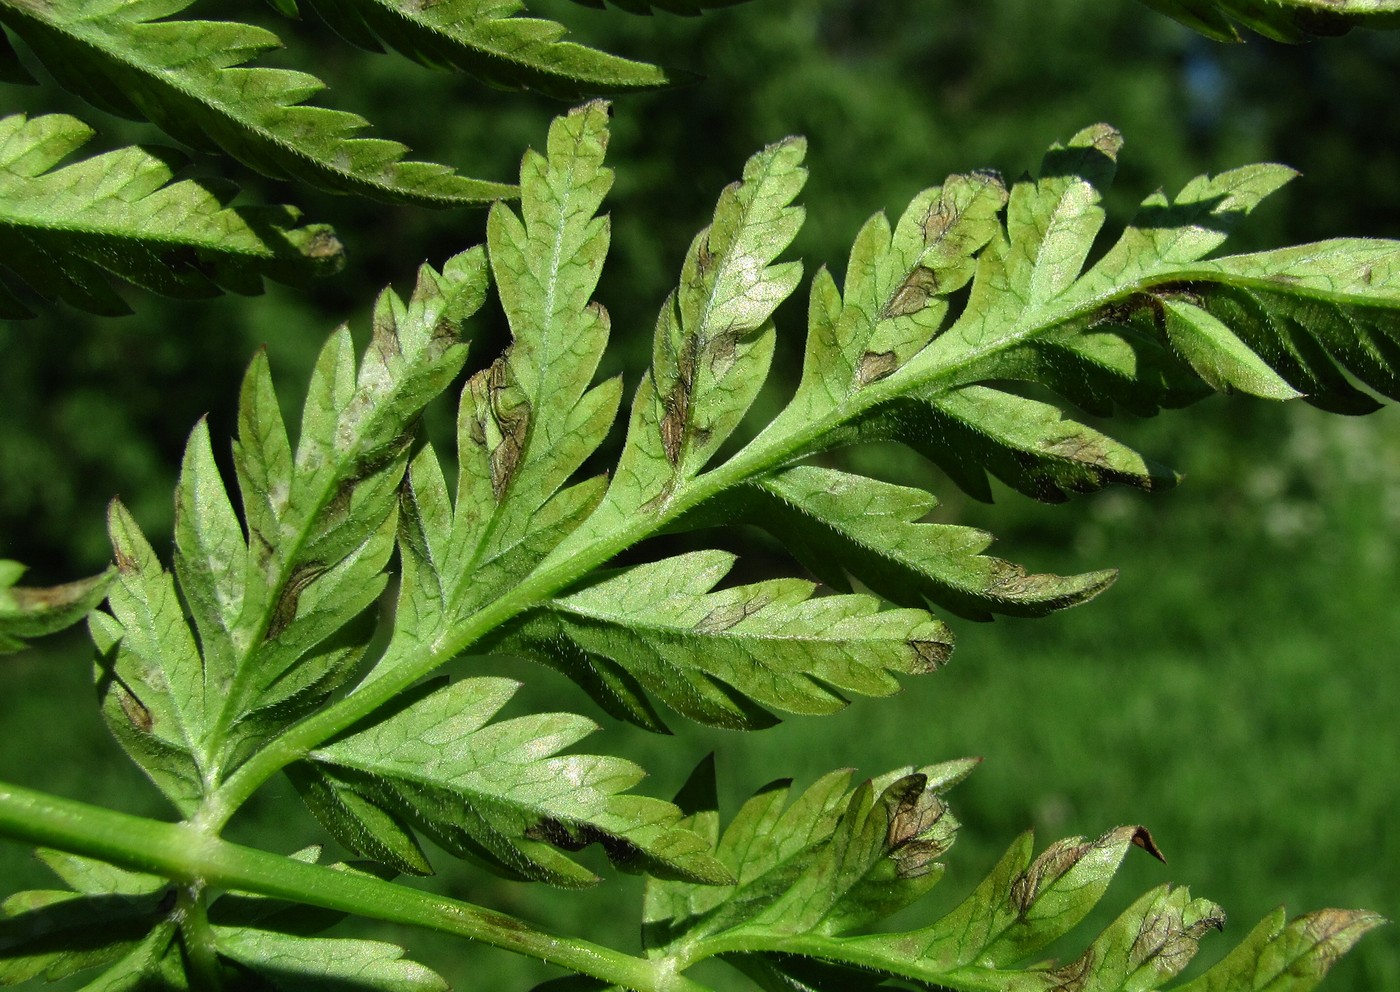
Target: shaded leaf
[722,656]
[293,964]
[27,611]
[491,41]
[838,524]
[52,935]
[129,58]
[67,231]
[501,793]
[1282,20]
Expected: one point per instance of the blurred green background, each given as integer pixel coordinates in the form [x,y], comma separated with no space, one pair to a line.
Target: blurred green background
[1235,691]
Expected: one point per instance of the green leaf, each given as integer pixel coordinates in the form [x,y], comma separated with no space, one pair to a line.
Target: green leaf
[500,792]
[322,521]
[358,822]
[527,422]
[1281,20]
[283,612]
[1140,329]
[721,657]
[1287,958]
[51,935]
[488,40]
[128,58]
[97,878]
[1017,910]
[1032,446]
[68,231]
[811,870]
[689,8]
[150,677]
[27,611]
[1219,357]
[1148,945]
[897,287]
[714,337]
[294,964]
[829,860]
[841,525]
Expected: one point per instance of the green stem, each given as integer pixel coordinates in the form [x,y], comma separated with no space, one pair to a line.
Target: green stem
[191,857]
[198,937]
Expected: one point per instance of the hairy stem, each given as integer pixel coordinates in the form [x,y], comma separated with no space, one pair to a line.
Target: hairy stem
[196,859]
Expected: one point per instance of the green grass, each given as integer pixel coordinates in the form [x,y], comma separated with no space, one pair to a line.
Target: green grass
[1234,692]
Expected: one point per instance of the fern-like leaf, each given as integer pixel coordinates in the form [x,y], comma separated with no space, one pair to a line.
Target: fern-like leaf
[67,230]
[489,40]
[722,657]
[1151,324]
[185,76]
[840,525]
[526,423]
[276,611]
[813,868]
[499,793]
[27,612]
[1282,20]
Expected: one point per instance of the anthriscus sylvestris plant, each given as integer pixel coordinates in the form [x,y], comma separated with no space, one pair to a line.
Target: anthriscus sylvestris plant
[260,648]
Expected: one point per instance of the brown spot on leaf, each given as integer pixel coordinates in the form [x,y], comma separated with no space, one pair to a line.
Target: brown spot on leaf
[673,424]
[1053,862]
[1075,975]
[1143,839]
[876,365]
[931,655]
[512,416]
[676,420]
[125,563]
[722,618]
[136,712]
[704,258]
[722,351]
[913,837]
[34,598]
[286,610]
[913,294]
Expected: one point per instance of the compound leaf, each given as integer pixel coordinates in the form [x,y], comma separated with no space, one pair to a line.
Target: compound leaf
[527,422]
[1292,956]
[714,337]
[812,869]
[1151,324]
[1282,20]
[487,39]
[28,611]
[838,524]
[500,792]
[186,77]
[67,231]
[318,964]
[722,657]
[281,611]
